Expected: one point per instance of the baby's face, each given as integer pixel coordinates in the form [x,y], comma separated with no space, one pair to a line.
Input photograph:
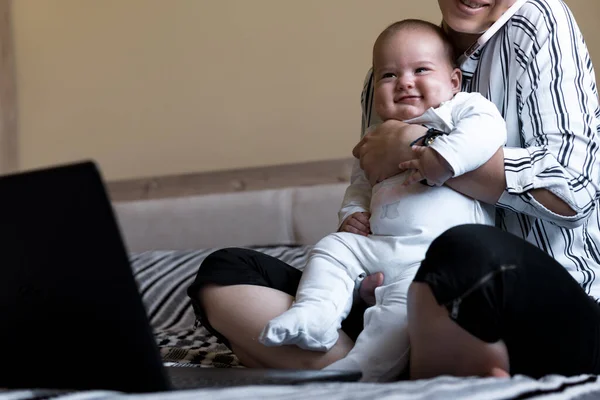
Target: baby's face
[412,73]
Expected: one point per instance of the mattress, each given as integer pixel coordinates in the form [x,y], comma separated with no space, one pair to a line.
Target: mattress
[163,277]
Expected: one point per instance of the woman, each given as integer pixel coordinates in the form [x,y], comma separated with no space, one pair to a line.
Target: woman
[485,302]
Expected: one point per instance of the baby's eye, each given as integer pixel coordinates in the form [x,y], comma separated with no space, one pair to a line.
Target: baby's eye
[421,70]
[388,75]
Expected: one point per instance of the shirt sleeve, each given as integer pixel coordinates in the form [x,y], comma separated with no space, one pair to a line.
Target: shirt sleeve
[479,131]
[357,197]
[358,194]
[557,103]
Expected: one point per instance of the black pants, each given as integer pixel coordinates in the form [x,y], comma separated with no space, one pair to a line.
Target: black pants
[238,266]
[494,284]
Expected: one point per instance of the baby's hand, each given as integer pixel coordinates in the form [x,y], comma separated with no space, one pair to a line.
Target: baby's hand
[427,164]
[357,223]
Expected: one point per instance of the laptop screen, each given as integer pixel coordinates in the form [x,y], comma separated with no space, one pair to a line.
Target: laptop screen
[69,305]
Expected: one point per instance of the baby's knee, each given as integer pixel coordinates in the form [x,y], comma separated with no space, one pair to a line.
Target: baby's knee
[339,249]
[334,241]
[338,246]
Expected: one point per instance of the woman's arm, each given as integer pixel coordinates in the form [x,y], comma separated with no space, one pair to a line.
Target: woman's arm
[557,104]
[488,182]
[555,176]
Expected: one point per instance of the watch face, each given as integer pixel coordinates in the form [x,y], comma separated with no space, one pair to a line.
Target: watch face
[432,133]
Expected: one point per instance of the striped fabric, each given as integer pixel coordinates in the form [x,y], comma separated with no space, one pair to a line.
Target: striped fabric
[442,388]
[163,277]
[538,72]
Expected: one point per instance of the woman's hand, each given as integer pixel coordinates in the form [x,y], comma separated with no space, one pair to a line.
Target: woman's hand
[381,150]
[367,287]
[428,164]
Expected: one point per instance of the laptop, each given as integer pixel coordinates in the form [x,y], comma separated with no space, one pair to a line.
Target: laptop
[71,316]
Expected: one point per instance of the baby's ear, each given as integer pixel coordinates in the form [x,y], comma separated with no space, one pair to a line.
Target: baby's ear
[456,79]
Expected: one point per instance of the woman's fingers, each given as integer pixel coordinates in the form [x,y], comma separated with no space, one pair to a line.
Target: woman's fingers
[381,150]
[359,145]
[415,162]
[406,165]
[415,177]
[367,287]
[418,150]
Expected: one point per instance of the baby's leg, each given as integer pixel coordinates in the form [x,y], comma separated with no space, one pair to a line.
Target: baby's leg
[323,299]
[382,349]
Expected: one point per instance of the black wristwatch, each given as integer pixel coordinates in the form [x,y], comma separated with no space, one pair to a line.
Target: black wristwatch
[428,137]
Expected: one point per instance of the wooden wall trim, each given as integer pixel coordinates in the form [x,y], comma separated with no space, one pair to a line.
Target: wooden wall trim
[269,177]
[9,151]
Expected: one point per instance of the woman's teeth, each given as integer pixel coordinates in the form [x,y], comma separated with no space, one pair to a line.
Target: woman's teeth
[471,4]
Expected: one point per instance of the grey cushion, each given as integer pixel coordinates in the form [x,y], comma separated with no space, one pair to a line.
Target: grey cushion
[299,215]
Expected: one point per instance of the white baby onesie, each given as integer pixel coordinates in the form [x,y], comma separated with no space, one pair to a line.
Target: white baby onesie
[404,221]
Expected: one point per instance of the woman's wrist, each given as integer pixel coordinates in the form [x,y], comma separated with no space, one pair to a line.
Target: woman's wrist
[486,183]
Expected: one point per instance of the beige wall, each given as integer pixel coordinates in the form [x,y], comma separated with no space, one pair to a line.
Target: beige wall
[156,87]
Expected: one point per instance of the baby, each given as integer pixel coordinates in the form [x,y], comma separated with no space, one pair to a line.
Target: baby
[416,81]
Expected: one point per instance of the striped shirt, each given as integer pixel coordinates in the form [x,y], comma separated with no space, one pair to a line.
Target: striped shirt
[538,72]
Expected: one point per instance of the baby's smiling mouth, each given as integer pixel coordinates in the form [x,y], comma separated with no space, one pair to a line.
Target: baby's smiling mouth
[407,99]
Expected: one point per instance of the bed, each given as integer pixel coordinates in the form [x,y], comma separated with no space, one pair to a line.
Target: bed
[168,237]
[162,278]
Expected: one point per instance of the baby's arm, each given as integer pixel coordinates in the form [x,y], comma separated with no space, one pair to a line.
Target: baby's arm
[479,131]
[358,195]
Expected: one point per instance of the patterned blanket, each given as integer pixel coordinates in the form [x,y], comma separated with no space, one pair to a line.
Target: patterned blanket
[163,278]
[194,348]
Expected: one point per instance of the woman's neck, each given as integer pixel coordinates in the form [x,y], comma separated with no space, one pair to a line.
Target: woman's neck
[461,41]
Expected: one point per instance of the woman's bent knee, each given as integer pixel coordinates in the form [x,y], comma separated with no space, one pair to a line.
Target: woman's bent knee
[208,294]
[439,346]
[463,242]
[461,256]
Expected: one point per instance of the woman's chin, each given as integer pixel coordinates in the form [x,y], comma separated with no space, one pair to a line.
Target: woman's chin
[464,27]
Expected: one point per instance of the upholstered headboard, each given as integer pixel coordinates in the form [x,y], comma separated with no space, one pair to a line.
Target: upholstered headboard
[260,206]
[293,215]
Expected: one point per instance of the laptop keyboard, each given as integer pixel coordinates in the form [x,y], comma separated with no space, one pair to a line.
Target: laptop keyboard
[190,378]
[187,382]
